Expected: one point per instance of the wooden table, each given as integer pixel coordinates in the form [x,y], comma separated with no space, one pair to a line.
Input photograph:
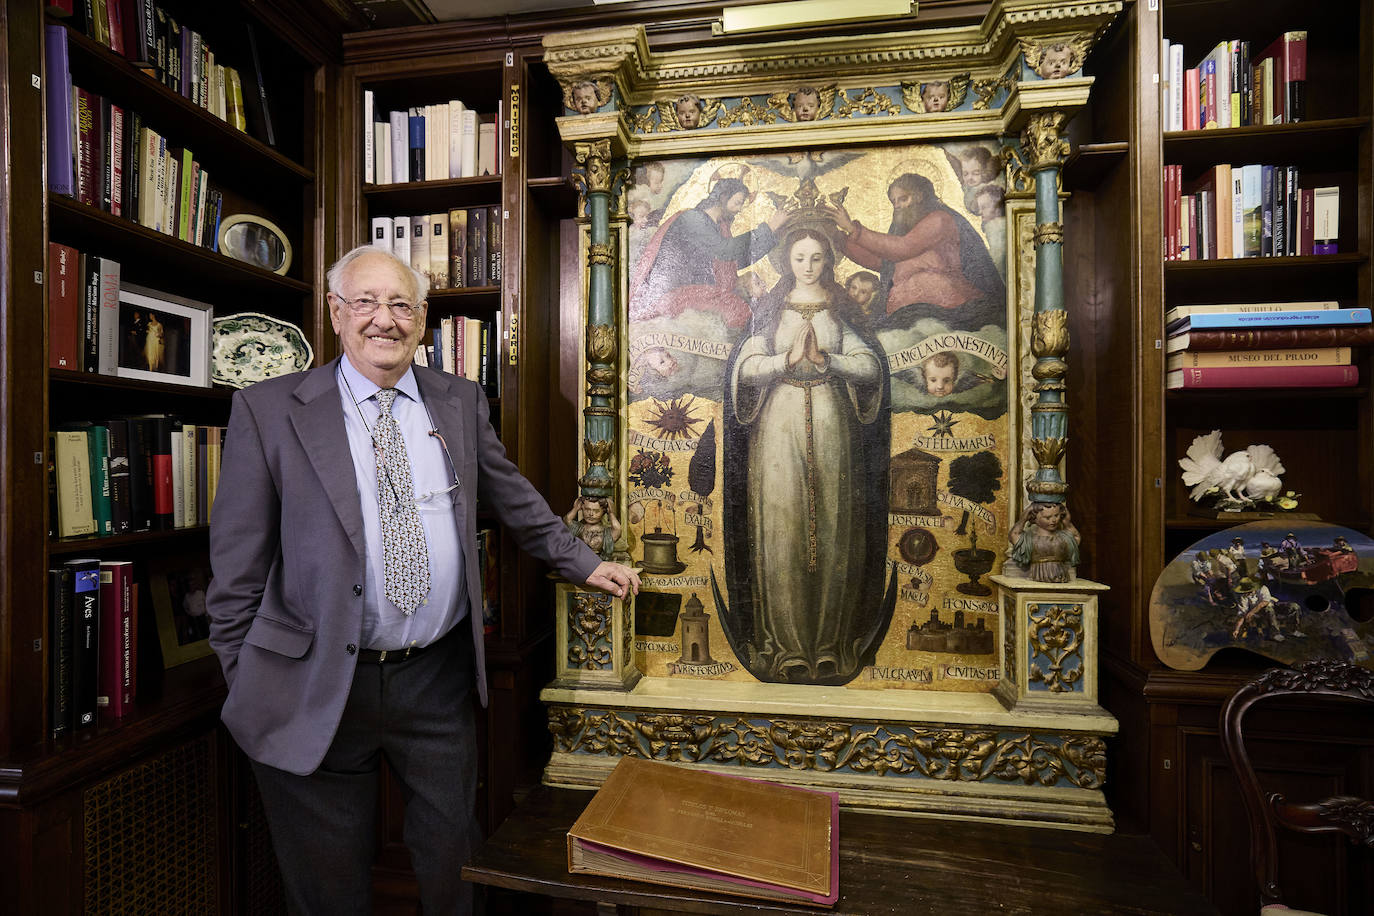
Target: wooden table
[888,865]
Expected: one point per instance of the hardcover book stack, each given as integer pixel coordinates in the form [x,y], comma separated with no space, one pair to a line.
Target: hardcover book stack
[1264,345]
[107,157]
[428,142]
[1247,211]
[1231,87]
[457,249]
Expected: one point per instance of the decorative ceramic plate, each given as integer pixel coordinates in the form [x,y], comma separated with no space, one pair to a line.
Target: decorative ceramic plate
[249,347]
[1293,590]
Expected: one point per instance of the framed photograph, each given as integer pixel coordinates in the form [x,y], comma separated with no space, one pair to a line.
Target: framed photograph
[255,240]
[163,338]
[178,585]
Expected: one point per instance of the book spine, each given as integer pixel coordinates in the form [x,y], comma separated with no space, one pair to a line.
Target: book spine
[419,245]
[417,146]
[98,445]
[1266,211]
[1281,338]
[400,144]
[400,238]
[1305,227]
[164,497]
[1207,106]
[1314,318]
[86,164]
[108,351]
[113,599]
[133,177]
[72,468]
[190,482]
[86,639]
[61,179]
[477,246]
[63,307]
[121,510]
[457,246]
[90,316]
[1315,356]
[1192,91]
[140,474]
[438,250]
[1325,220]
[1270,377]
[60,631]
[1295,75]
[369,151]
[493,246]
[381,232]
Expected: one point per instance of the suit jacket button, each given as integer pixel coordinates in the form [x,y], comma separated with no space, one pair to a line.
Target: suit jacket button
[357,589]
[352,649]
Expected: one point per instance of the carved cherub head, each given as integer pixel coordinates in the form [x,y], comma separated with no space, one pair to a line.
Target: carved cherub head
[1056,58]
[688,109]
[935,95]
[806,102]
[587,96]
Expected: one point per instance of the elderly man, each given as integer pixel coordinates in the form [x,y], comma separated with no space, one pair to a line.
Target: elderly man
[345,601]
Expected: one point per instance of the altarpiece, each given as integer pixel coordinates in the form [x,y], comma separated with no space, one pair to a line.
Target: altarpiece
[824,412]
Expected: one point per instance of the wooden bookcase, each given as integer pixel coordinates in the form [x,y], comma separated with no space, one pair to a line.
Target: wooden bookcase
[89,821]
[1168,774]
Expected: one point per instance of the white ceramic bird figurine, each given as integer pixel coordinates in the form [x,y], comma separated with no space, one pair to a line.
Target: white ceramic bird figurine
[1243,476]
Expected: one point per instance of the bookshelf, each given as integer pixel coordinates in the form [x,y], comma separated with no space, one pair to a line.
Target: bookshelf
[83,812]
[1171,777]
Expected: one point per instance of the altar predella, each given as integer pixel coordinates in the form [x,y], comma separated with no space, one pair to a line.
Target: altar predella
[824,411]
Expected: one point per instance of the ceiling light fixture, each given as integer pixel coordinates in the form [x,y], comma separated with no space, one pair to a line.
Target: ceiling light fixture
[792,14]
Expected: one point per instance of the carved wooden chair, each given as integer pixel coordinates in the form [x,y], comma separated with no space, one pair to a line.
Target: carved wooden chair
[1267,811]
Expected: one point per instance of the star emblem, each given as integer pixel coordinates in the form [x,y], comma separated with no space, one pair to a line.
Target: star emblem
[943,427]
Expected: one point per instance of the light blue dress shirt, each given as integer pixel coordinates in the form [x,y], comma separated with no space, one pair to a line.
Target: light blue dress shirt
[384,626]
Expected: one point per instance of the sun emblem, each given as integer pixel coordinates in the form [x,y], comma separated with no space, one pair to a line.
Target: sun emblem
[943,427]
[673,420]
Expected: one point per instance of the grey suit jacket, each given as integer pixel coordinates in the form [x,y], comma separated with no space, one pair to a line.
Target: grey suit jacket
[286,546]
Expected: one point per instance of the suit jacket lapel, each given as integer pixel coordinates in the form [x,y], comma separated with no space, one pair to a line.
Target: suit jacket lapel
[317,417]
[443,401]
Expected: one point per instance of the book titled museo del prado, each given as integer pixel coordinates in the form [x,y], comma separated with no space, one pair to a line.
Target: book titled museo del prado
[695,829]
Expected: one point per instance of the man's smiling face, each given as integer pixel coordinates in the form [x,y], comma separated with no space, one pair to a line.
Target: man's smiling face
[380,345]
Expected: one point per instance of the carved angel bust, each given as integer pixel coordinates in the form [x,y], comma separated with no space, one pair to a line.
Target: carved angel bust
[806,102]
[936,95]
[1056,58]
[589,95]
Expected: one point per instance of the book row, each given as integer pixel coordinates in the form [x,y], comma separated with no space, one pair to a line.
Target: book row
[108,158]
[460,248]
[467,347]
[126,474]
[1247,211]
[92,655]
[428,142]
[1231,87]
[179,57]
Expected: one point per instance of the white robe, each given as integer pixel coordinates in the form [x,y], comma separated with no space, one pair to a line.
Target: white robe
[806,499]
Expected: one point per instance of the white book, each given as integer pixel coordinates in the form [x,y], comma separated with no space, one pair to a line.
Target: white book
[188,470]
[178,482]
[441,143]
[381,232]
[469,143]
[1182,311]
[427,112]
[1176,86]
[381,132]
[369,139]
[445,361]
[147,192]
[472,349]
[455,139]
[108,322]
[221,110]
[400,238]
[438,250]
[1165,75]
[400,152]
[1326,204]
[486,147]
[419,244]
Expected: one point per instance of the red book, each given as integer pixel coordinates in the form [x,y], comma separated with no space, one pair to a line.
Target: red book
[1289,52]
[63,8]
[1264,377]
[1192,93]
[118,633]
[116,160]
[115,17]
[64,306]
[164,494]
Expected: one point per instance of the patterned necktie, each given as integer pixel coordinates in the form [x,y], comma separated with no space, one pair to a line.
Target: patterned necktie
[405,556]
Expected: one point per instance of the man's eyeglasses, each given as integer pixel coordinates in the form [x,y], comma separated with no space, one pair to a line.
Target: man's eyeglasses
[365,307]
[430,497]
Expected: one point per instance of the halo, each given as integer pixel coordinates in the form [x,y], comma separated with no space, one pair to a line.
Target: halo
[923,167]
[731,170]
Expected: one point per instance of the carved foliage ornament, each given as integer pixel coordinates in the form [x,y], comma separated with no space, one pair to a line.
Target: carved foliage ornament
[1049,452]
[949,754]
[595,158]
[1050,333]
[1041,140]
[589,630]
[1056,633]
